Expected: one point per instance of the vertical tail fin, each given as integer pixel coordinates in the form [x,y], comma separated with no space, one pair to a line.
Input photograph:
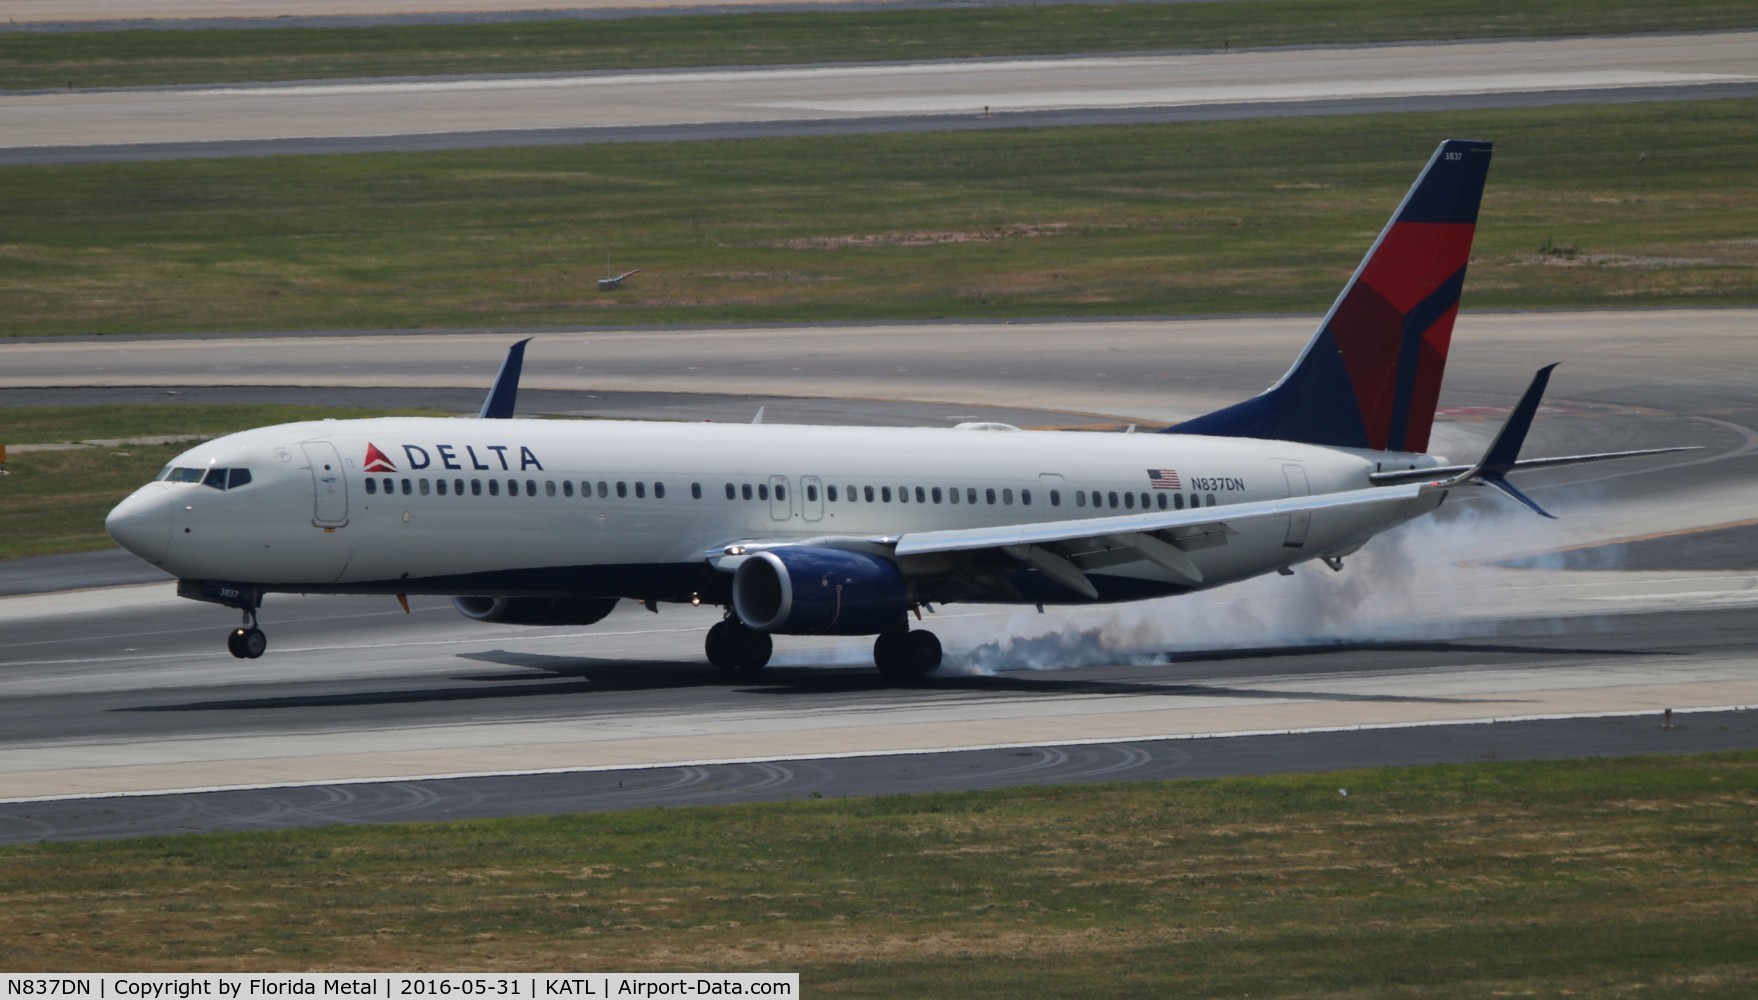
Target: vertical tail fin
[1371,374]
[505,391]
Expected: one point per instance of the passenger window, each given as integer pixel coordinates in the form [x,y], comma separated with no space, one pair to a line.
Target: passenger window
[1160,498]
[439,486]
[1080,498]
[830,493]
[622,488]
[531,487]
[989,495]
[1113,499]
[549,487]
[885,493]
[475,487]
[970,496]
[458,486]
[762,491]
[937,495]
[695,491]
[513,487]
[1208,499]
[494,487]
[390,486]
[1025,497]
[238,478]
[1129,500]
[921,495]
[1177,501]
[730,494]
[903,494]
[811,492]
[567,487]
[1007,497]
[640,491]
[1145,501]
[424,486]
[869,492]
[1055,498]
[952,494]
[371,486]
[408,488]
[603,489]
[853,495]
[780,492]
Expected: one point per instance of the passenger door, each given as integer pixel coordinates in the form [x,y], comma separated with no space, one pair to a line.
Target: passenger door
[329,488]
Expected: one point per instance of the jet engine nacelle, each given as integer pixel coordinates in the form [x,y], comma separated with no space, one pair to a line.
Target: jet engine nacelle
[812,591]
[535,610]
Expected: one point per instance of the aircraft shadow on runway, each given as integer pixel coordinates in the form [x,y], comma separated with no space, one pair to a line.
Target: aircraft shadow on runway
[550,676]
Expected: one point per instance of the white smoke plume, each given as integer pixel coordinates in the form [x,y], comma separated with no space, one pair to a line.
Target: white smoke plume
[1435,578]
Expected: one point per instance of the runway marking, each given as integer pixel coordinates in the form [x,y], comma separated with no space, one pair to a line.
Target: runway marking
[1177,95]
[1050,747]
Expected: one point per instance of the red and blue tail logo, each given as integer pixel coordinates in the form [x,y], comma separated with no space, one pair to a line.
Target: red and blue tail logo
[1371,375]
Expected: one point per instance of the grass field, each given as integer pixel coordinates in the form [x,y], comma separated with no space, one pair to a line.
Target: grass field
[55,501]
[57,60]
[1610,206]
[1601,878]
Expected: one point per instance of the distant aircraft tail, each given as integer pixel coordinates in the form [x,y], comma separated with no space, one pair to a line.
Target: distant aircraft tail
[1370,376]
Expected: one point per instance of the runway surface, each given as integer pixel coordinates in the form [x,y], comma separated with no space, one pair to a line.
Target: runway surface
[426,113]
[128,690]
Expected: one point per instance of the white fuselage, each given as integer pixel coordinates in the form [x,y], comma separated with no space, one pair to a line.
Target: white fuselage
[627,509]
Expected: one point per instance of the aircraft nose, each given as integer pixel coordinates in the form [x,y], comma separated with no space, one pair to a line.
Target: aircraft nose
[142,523]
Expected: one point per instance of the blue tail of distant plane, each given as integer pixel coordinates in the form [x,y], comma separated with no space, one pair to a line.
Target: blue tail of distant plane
[1371,375]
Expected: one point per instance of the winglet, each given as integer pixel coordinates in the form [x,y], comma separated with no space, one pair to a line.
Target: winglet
[499,404]
[1504,452]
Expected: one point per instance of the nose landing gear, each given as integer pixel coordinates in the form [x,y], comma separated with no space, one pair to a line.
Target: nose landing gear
[247,642]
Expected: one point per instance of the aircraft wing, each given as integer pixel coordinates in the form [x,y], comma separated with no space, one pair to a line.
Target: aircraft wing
[1448,471]
[1063,550]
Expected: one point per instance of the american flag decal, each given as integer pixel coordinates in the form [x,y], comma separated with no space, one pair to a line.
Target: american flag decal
[1164,479]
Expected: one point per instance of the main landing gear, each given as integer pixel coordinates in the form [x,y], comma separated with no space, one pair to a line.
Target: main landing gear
[903,654]
[734,646]
[247,642]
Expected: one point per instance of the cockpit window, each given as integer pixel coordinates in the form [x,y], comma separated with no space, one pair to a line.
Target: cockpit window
[219,479]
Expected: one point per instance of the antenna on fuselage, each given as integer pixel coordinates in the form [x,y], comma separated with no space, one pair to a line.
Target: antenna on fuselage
[499,404]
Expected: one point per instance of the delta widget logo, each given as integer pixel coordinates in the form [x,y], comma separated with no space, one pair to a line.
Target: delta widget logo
[376,461]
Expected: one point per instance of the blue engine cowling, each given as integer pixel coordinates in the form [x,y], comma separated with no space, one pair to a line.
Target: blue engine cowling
[812,591]
[535,610]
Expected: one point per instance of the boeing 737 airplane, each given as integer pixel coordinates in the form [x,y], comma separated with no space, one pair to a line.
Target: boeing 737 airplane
[848,531]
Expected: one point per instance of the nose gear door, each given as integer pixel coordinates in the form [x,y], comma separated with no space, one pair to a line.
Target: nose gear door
[328,486]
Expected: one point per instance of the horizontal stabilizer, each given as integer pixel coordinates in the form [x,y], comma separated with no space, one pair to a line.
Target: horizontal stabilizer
[1503,455]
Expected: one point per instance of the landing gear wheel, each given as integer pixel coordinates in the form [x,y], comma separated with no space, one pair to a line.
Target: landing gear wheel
[247,643]
[755,648]
[733,646]
[722,645]
[907,655]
